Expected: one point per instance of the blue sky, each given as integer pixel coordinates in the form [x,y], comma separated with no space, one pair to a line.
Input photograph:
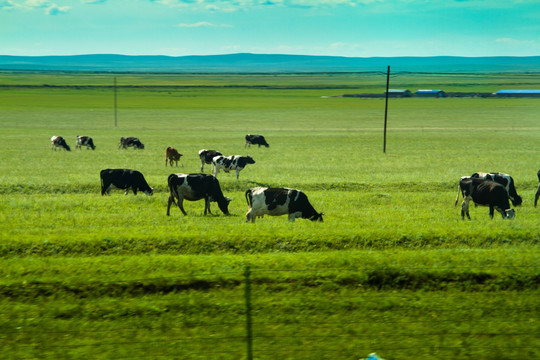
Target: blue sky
[357,28]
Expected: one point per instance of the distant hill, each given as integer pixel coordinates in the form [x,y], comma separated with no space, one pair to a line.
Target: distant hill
[250,63]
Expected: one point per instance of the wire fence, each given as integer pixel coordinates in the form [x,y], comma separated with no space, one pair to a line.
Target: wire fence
[280,314]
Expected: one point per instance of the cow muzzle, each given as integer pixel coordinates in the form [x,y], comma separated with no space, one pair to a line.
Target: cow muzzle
[510,213]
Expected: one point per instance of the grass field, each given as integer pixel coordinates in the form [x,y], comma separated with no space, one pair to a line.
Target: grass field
[392,268]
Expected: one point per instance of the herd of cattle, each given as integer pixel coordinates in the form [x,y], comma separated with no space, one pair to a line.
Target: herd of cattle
[495,190]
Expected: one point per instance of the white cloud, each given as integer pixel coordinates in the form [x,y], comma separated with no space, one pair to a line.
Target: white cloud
[202,24]
[28,5]
[54,9]
[232,5]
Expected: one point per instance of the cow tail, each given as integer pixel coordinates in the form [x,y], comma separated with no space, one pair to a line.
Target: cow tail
[248,197]
[173,191]
[457,197]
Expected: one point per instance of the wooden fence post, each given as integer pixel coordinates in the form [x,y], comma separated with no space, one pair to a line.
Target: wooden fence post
[249,323]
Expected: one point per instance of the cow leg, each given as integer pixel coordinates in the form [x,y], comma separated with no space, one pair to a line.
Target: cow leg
[465,208]
[292,217]
[237,173]
[169,202]
[181,206]
[250,216]
[202,165]
[105,188]
[207,206]
[537,196]
[492,211]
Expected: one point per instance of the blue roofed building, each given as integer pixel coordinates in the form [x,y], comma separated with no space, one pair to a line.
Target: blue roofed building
[518,93]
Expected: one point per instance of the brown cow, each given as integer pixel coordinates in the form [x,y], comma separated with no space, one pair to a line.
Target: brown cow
[171,154]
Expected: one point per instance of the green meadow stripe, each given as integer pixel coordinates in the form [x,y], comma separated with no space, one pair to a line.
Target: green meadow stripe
[6,189]
[386,188]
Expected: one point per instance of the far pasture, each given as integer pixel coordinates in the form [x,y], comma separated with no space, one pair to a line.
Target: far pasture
[331,148]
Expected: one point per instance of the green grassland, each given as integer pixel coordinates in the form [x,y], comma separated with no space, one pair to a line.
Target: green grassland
[392,268]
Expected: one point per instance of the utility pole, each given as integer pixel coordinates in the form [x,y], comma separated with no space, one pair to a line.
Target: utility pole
[386,107]
[115,116]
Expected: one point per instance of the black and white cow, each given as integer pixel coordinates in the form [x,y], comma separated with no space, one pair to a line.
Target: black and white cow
[538,190]
[59,142]
[506,181]
[195,187]
[126,142]
[124,179]
[206,157]
[233,162]
[484,192]
[85,141]
[279,201]
[255,140]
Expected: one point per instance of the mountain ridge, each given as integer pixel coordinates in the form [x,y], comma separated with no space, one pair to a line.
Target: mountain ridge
[271,63]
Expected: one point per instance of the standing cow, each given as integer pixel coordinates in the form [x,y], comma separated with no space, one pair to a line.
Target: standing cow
[506,181]
[484,192]
[206,157]
[538,190]
[195,187]
[171,154]
[59,142]
[124,179]
[85,141]
[279,201]
[233,162]
[134,142]
[255,140]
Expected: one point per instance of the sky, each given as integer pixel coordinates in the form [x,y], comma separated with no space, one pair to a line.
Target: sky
[350,28]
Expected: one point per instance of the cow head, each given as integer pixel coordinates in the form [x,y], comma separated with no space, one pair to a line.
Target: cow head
[149,192]
[249,160]
[516,200]
[510,213]
[317,217]
[224,205]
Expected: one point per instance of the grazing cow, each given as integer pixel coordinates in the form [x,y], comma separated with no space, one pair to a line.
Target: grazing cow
[171,154]
[279,201]
[537,191]
[506,181]
[124,179]
[233,162]
[195,187]
[255,140]
[126,142]
[206,157]
[85,141]
[59,142]
[484,192]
